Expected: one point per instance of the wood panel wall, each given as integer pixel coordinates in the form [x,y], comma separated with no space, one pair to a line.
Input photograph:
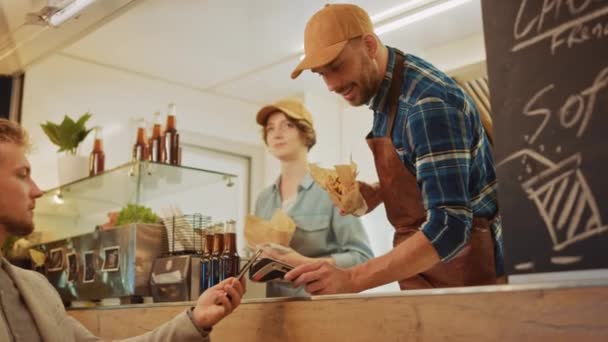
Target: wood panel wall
[575,314]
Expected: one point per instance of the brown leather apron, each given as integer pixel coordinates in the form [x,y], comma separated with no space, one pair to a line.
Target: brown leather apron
[398,189]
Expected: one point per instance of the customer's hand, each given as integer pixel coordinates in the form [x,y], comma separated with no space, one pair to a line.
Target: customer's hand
[217,302]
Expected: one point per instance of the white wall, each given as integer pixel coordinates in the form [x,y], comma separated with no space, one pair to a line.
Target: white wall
[327,117]
[60,85]
[457,54]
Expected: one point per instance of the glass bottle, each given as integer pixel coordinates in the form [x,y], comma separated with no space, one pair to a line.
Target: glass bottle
[206,259]
[216,253]
[230,256]
[158,150]
[172,137]
[97,158]
[140,149]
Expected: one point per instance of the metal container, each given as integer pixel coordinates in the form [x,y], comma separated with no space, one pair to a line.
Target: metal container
[104,264]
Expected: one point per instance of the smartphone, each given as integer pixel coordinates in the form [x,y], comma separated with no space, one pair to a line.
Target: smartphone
[246,267]
[249,264]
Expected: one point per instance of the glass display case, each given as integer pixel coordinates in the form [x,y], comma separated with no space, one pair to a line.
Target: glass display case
[87,259]
[79,207]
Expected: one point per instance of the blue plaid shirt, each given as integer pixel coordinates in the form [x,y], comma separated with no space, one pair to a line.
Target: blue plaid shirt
[439,136]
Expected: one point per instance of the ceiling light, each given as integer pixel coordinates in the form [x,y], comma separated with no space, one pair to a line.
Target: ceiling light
[396,10]
[68,12]
[58,197]
[411,18]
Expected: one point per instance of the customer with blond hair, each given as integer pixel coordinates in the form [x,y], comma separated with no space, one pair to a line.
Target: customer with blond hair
[30,308]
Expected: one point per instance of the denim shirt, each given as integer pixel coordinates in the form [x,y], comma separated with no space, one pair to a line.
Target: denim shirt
[320,230]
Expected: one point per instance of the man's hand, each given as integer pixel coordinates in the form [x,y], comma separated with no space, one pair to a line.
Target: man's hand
[358,204]
[217,302]
[321,277]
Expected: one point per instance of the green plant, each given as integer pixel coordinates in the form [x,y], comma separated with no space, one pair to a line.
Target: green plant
[134,213]
[69,133]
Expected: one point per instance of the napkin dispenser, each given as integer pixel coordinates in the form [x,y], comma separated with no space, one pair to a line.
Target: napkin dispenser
[172,277]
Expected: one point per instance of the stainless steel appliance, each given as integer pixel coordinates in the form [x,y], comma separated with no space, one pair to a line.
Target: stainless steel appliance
[104,264]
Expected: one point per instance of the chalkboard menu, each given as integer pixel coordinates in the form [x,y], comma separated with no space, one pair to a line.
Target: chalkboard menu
[548,74]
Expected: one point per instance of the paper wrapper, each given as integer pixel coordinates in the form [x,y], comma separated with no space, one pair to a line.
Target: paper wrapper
[278,230]
[37,257]
[341,185]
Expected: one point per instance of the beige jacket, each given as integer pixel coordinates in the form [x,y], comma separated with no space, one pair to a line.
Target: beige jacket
[54,324]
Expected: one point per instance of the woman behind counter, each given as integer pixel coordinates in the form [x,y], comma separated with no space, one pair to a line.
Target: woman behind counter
[321,233]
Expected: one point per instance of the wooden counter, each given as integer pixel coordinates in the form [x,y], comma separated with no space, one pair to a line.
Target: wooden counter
[544,312]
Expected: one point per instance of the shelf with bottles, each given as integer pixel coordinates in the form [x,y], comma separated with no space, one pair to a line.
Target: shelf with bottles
[86,203]
[163,146]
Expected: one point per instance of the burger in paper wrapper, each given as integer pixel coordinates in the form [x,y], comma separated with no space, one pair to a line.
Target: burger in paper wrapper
[341,185]
[278,230]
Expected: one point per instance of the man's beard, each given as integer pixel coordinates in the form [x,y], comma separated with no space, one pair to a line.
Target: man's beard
[16,227]
[367,93]
[366,83]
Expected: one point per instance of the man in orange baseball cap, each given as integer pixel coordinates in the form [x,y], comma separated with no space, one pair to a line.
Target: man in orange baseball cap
[432,155]
[328,44]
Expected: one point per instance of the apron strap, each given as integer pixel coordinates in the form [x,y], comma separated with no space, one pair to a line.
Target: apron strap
[394,92]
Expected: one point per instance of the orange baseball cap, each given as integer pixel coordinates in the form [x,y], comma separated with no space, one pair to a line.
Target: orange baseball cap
[292,107]
[328,31]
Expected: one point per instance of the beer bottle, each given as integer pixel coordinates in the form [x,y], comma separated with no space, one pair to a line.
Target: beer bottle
[98,157]
[172,137]
[216,253]
[140,149]
[206,259]
[230,256]
[158,150]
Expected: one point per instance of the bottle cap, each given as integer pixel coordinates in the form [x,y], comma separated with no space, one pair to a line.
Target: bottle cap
[157,118]
[98,132]
[172,110]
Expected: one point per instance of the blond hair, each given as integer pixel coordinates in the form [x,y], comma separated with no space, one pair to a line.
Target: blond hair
[12,132]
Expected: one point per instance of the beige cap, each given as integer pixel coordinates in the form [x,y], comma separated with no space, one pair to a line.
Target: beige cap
[328,31]
[294,108]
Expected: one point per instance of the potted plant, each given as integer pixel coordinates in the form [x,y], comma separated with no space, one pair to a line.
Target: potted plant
[67,136]
[133,213]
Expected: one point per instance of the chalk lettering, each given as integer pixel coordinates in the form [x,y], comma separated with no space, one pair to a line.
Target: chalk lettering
[577,110]
[529,30]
